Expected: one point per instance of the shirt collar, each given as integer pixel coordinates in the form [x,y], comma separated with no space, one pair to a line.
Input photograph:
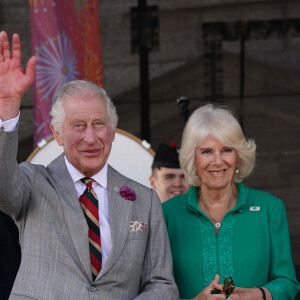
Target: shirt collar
[100,177]
[240,206]
[192,201]
[243,192]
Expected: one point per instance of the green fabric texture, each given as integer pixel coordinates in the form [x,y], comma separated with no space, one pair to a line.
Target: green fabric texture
[252,246]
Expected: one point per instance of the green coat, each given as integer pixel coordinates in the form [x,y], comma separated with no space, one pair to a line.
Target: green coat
[252,246]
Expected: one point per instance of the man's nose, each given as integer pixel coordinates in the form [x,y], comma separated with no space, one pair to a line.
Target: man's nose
[90,135]
[177,181]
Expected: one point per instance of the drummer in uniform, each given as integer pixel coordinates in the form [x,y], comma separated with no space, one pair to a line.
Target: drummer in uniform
[167,177]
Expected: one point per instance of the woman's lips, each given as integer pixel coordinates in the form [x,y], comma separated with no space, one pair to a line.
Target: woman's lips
[219,172]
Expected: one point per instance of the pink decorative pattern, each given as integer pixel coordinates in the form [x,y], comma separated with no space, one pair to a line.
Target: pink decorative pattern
[66,41]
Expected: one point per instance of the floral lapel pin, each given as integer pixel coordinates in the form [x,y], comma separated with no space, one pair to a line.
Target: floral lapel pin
[127,193]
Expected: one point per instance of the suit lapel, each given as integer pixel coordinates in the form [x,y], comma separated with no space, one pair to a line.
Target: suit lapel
[120,212]
[72,210]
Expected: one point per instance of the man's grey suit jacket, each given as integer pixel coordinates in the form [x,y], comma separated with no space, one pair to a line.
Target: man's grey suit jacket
[54,235]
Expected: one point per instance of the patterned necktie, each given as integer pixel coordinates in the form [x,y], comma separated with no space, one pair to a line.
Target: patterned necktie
[89,204]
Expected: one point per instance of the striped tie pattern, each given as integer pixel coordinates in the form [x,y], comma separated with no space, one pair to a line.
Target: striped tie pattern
[89,204]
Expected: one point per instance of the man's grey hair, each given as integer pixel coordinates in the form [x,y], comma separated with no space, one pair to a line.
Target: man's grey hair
[84,88]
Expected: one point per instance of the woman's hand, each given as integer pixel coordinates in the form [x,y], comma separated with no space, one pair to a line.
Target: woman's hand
[249,294]
[206,293]
[13,81]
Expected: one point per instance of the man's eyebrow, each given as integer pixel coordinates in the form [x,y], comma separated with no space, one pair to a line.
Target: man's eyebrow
[77,121]
[169,174]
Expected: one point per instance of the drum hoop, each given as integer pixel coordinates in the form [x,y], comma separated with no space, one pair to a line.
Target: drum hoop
[121,131]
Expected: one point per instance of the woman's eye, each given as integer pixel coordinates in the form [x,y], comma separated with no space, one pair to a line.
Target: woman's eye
[206,152]
[228,150]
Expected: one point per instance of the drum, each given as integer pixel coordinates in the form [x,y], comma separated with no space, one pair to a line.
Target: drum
[129,155]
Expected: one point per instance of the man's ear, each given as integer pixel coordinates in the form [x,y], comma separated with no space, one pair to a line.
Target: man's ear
[113,135]
[113,132]
[152,182]
[59,139]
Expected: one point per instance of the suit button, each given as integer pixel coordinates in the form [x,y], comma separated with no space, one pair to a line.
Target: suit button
[93,288]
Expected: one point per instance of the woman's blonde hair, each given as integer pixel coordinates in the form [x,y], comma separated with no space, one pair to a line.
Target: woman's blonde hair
[220,123]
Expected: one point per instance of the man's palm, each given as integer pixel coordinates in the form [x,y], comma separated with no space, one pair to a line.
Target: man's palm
[13,81]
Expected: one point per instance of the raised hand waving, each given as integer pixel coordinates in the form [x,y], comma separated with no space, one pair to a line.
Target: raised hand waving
[13,81]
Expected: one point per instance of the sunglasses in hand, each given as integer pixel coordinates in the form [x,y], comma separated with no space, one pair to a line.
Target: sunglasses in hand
[228,286]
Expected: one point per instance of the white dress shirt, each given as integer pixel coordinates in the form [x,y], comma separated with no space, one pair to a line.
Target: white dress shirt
[9,125]
[99,186]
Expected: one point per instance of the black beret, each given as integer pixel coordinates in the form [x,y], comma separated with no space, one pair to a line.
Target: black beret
[166,156]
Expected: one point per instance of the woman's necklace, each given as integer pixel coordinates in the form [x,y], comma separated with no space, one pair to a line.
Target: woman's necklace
[231,203]
[217,223]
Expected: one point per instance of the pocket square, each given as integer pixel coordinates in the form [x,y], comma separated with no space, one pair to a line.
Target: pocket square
[137,226]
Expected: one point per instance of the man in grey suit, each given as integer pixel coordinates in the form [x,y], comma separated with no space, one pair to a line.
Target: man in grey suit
[59,244]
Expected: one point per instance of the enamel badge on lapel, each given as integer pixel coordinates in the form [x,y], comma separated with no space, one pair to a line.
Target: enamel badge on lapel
[254,208]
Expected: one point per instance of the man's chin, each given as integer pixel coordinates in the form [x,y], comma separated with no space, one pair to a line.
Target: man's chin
[89,171]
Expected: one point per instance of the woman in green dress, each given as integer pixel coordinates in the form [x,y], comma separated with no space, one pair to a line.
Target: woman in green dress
[221,229]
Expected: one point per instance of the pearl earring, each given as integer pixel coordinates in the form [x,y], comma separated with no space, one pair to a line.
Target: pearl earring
[236,171]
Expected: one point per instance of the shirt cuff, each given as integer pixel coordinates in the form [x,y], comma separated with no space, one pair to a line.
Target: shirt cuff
[10,125]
